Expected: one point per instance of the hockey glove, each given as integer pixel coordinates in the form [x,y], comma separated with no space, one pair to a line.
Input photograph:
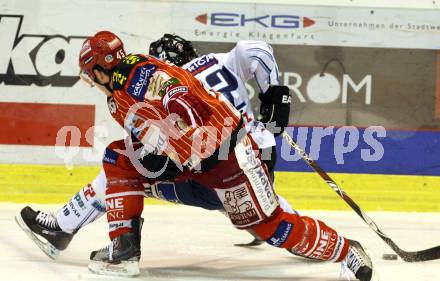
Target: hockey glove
[275,106]
[189,107]
[155,163]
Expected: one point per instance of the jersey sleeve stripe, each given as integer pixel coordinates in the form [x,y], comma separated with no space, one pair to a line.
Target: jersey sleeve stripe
[263,51]
[262,63]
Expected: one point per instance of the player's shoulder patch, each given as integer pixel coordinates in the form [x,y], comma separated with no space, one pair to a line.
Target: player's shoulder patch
[199,64]
[176,89]
[139,81]
[167,84]
[123,70]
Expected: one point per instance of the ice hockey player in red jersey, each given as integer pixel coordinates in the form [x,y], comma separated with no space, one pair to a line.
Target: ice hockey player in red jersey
[226,73]
[171,113]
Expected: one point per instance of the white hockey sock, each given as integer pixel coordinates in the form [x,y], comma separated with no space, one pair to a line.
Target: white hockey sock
[84,207]
[286,206]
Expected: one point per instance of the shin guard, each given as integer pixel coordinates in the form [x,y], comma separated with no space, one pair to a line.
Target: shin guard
[124,196]
[304,236]
[84,207]
[123,204]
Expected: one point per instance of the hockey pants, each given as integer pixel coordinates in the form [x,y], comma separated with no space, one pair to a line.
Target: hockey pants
[243,186]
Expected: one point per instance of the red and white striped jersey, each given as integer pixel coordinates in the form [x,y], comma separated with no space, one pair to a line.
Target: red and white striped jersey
[139,104]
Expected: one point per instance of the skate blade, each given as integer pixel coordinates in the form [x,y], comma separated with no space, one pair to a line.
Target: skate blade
[253,243]
[346,274]
[375,275]
[46,247]
[123,269]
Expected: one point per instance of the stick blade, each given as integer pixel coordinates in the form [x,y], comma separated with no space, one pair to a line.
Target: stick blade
[419,256]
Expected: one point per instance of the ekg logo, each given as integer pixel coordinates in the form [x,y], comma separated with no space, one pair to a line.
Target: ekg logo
[266,21]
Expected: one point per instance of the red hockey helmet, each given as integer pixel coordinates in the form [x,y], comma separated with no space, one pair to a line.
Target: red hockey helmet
[104,49]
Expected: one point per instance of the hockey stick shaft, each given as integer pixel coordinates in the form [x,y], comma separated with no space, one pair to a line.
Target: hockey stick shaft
[424,255]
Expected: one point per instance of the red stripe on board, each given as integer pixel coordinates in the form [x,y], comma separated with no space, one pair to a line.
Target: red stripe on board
[39,123]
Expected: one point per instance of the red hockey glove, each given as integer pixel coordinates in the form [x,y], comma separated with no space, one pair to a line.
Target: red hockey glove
[189,107]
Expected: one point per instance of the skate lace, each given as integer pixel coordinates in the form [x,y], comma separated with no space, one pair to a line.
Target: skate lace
[47,220]
[109,248]
[352,263]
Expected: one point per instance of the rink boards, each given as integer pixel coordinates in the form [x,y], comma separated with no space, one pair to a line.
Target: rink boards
[304,190]
[384,74]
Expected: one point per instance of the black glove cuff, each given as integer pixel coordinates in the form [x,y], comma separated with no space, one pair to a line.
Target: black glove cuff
[155,163]
[275,95]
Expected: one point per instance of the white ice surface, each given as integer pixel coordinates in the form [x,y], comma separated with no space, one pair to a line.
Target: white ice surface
[184,243]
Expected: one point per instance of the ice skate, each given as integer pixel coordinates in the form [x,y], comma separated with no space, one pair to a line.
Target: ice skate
[37,223]
[257,241]
[121,257]
[358,262]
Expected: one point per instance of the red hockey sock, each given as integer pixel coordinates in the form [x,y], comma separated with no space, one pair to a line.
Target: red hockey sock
[123,203]
[321,242]
[305,236]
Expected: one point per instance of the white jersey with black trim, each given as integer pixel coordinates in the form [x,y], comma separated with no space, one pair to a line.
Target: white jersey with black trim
[227,73]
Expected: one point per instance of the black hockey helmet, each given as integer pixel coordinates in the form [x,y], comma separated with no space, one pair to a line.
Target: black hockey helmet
[173,48]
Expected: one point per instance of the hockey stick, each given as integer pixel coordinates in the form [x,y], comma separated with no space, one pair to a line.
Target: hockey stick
[424,255]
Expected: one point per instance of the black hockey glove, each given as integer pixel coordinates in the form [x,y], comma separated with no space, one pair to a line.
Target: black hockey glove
[155,163]
[275,106]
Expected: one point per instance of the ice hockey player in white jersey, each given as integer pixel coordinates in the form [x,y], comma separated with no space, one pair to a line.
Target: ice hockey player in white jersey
[225,73]
[228,73]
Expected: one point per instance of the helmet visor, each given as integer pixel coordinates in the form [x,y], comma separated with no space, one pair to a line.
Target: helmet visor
[86,78]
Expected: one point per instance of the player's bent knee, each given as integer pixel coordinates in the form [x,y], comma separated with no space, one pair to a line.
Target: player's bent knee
[116,164]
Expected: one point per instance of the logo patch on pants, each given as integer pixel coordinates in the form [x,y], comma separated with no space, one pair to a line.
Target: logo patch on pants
[257,177]
[110,156]
[281,234]
[239,206]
